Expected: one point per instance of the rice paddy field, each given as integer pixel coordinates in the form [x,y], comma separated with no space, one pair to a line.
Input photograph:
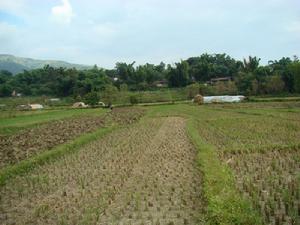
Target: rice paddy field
[164,164]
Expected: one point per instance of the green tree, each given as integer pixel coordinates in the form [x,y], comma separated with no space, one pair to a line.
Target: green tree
[281,67]
[125,72]
[133,100]
[294,69]
[123,88]
[251,64]
[179,76]
[5,90]
[109,94]
[5,76]
[274,85]
[206,67]
[92,98]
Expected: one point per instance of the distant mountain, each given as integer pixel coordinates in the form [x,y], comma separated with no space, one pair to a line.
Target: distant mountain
[18,64]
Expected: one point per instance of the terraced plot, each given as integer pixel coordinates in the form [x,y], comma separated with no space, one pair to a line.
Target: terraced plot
[29,142]
[143,174]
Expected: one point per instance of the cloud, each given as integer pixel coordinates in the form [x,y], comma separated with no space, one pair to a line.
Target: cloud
[63,13]
[148,30]
[12,6]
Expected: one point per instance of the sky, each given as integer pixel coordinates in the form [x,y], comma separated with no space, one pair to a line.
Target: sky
[104,32]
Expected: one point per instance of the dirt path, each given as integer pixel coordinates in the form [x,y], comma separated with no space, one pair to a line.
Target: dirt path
[144,174]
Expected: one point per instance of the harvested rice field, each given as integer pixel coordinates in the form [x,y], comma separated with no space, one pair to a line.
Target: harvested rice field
[271,179]
[144,174]
[165,164]
[28,142]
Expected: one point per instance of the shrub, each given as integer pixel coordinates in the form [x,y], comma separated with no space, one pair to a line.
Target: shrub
[92,98]
[133,100]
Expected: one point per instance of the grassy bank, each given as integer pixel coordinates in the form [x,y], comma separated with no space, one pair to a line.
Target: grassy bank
[224,203]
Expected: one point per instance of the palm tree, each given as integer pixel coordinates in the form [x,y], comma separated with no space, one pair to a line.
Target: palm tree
[251,64]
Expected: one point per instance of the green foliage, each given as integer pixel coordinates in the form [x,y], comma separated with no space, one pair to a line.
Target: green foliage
[294,69]
[5,88]
[192,90]
[225,205]
[133,100]
[179,76]
[109,94]
[55,82]
[206,67]
[140,78]
[281,67]
[251,64]
[92,98]
[248,77]
[274,85]
[123,88]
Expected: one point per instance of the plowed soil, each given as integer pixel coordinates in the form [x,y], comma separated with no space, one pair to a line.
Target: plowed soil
[31,141]
[142,174]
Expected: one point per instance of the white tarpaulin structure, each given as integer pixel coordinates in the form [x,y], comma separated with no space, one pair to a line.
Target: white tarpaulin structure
[35,106]
[224,98]
[79,105]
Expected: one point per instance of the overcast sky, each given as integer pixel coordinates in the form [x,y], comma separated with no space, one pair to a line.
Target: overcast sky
[104,32]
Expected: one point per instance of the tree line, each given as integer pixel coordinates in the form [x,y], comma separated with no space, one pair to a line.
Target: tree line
[246,77]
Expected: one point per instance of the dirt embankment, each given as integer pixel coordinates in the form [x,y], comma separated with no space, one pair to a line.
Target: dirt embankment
[31,141]
[142,174]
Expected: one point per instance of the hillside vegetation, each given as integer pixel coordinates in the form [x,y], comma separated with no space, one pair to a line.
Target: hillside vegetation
[216,74]
[16,64]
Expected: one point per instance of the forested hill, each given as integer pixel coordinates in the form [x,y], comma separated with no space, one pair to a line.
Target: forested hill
[217,74]
[16,64]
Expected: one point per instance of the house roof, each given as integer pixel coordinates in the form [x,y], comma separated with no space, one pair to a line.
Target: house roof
[220,79]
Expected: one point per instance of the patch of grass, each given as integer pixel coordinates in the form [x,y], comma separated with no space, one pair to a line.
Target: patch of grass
[274,99]
[47,156]
[225,204]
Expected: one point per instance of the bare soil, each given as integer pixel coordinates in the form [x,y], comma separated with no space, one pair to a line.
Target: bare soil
[142,174]
[29,142]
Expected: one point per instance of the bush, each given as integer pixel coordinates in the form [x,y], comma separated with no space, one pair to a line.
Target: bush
[133,100]
[192,90]
[91,98]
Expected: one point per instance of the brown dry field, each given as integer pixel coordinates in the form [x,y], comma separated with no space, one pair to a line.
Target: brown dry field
[145,173]
[271,180]
[29,142]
